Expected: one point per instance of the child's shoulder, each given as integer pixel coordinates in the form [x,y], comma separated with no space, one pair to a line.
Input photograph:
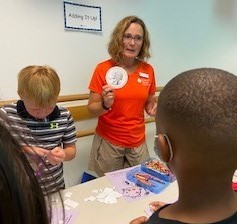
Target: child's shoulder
[64,111]
[62,108]
[9,107]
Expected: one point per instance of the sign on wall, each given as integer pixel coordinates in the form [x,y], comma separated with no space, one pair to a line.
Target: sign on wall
[82,17]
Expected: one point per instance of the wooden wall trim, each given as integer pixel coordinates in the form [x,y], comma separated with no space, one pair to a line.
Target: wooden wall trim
[79,112]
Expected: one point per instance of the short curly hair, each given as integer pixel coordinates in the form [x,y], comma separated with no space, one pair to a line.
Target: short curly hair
[204,100]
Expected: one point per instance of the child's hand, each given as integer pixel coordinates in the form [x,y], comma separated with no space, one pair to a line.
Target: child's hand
[139,220]
[35,150]
[56,155]
[155,205]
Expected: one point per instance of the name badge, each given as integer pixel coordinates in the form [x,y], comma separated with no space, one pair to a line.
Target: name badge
[144,75]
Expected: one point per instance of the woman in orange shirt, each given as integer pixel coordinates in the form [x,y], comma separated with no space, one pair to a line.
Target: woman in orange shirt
[121,89]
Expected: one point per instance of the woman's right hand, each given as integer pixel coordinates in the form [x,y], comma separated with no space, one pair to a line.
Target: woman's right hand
[108,95]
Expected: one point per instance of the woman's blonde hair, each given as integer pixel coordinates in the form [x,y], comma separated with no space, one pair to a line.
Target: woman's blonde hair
[39,83]
[115,45]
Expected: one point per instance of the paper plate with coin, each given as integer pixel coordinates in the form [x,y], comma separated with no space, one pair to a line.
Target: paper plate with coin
[116,77]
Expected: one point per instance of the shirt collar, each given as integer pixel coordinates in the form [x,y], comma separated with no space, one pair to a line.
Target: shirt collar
[22,112]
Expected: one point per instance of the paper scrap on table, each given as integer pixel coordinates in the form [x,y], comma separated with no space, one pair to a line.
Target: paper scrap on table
[70,203]
[108,196]
[68,194]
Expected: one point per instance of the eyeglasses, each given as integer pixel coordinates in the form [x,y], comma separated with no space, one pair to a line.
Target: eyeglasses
[138,39]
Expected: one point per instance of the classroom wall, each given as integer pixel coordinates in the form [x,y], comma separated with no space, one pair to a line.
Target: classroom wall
[184,34]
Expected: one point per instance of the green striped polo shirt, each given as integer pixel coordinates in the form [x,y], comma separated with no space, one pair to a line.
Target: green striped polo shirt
[56,129]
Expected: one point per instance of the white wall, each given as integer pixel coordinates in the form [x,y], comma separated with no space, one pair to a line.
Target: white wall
[184,34]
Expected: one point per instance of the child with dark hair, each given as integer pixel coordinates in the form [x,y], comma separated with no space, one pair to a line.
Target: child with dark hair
[21,198]
[196,137]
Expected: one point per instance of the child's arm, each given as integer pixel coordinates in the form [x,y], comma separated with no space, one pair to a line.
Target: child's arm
[70,151]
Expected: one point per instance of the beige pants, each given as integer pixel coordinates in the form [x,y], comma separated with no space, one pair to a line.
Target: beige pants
[106,157]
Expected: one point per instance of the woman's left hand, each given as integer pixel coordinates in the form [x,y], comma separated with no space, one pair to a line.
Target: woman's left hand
[151,105]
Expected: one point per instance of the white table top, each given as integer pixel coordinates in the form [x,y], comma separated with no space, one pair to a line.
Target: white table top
[121,212]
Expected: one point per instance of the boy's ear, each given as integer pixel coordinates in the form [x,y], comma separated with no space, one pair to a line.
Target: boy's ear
[164,148]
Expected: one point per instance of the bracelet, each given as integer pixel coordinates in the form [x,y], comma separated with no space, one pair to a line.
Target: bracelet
[103,106]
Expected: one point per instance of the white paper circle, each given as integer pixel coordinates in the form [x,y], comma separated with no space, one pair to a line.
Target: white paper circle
[116,77]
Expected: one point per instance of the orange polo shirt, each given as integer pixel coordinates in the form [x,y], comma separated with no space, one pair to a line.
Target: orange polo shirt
[124,124]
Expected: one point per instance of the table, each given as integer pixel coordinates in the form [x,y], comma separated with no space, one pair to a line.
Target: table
[121,212]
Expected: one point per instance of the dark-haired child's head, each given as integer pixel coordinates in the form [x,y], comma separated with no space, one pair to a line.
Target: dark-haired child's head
[197,110]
